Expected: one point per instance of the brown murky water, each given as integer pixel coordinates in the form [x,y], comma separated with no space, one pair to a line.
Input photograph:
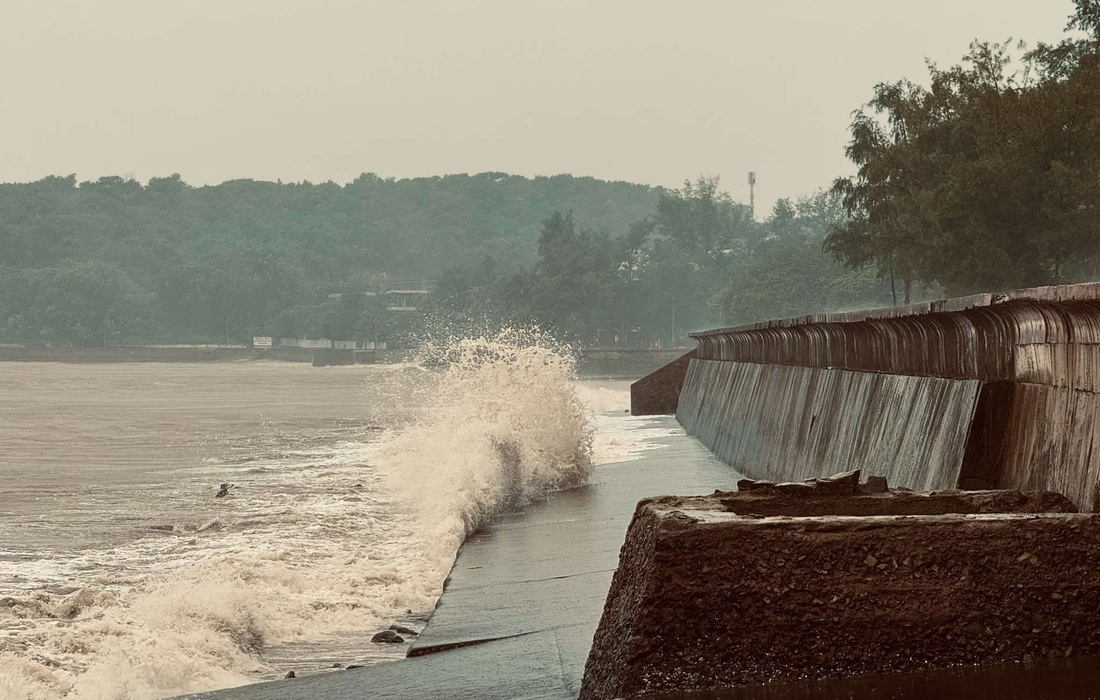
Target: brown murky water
[121,575]
[112,544]
[89,447]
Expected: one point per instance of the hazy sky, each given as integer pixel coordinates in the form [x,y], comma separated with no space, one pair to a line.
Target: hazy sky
[636,90]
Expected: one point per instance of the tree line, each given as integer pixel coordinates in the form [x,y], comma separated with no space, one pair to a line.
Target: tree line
[986,178]
[699,260]
[113,261]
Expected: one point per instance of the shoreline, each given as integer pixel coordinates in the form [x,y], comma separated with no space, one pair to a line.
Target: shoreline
[597,363]
[182,354]
[524,595]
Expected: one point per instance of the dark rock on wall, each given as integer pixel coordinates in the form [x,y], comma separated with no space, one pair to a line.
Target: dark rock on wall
[387,637]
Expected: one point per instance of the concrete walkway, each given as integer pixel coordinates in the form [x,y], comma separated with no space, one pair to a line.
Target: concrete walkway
[533,583]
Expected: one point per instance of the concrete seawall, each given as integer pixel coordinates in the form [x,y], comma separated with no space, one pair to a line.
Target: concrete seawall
[912,430]
[1012,380]
[656,393]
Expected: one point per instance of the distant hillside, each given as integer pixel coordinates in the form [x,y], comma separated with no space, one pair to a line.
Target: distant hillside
[113,261]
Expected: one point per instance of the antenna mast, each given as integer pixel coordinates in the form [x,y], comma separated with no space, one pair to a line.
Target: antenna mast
[752,200]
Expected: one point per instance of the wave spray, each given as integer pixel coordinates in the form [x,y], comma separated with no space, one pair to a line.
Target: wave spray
[500,426]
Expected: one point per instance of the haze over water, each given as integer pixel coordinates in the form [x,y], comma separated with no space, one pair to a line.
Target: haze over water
[122,576]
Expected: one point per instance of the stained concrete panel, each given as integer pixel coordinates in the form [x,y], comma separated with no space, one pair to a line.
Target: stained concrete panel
[788,423]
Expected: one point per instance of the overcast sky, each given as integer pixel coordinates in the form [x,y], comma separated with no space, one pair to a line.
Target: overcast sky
[637,90]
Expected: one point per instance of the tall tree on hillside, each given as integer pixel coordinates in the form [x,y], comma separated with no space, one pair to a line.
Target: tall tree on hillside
[1087,17]
[790,274]
[575,279]
[704,222]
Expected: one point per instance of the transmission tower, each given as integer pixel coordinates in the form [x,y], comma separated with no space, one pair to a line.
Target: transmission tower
[752,199]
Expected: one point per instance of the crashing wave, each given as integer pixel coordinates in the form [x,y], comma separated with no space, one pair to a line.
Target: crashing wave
[503,426]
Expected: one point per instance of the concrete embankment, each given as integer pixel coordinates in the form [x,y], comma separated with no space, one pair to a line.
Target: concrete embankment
[825,579]
[789,423]
[1009,381]
[990,391]
[657,393]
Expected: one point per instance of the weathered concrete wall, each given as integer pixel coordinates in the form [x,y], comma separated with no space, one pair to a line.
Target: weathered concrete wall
[1036,353]
[705,597]
[1051,440]
[657,393]
[789,423]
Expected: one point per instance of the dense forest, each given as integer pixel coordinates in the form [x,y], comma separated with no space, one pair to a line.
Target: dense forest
[699,260]
[113,261]
[987,178]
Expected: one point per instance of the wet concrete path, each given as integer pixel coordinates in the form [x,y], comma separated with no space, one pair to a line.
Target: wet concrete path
[534,583]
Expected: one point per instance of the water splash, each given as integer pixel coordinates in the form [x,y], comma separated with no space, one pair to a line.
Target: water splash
[503,426]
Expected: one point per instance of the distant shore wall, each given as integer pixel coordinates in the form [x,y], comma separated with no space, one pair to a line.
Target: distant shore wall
[182,353]
[592,364]
[1027,399]
[135,353]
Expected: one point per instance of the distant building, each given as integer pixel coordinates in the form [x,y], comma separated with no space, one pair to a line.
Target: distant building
[323,344]
[398,294]
[406,299]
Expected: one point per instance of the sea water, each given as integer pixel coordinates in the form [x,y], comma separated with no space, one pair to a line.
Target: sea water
[123,576]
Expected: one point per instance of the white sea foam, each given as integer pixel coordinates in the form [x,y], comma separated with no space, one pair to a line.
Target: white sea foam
[326,536]
[616,436]
[171,614]
[503,426]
